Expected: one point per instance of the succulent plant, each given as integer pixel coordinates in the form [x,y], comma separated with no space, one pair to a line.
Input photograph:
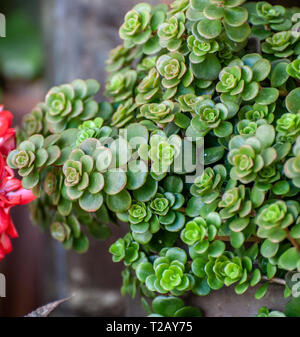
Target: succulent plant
[265,312]
[67,230]
[171,306]
[266,14]
[159,205]
[218,15]
[34,122]
[239,79]
[200,48]
[136,27]
[219,75]
[247,159]
[273,218]
[125,249]
[208,185]
[280,44]
[234,202]
[167,274]
[139,212]
[124,114]
[143,232]
[89,129]
[291,168]
[162,152]
[188,102]
[272,215]
[293,69]
[196,230]
[179,6]
[246,163]
[30,157]
[269,174]
[288,126]
[170,32]
[174,71]
[256,112]
[118,57]
[160,113]
[70,101]
[227,269]
[120,85]
[82,182]
[148,88]
[211,116]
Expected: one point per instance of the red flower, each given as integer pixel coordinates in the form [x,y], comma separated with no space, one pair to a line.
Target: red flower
[11,191]
[7,134]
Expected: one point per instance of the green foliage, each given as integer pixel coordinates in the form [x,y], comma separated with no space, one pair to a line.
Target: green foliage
[293,69]
[125,249]
[34,122]
[190,74]
[70,101]
[292,166]
[265,312]
[161,113]
[208,185]
[280,44]
[171,306]
[120,84]
[167,273]
[211,116]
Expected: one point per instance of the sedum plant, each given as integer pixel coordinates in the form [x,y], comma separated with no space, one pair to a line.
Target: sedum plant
[218,74]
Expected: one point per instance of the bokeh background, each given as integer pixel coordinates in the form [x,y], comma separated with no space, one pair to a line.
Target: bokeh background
[50,42]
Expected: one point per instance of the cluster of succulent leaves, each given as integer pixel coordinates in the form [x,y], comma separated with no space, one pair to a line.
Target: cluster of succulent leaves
[223,71]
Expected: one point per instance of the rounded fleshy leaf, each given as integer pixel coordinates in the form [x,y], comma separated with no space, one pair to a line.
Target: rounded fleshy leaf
[91,202]
[292,101]
[30,181]
[238,34]
[279,75]
[114,181]
[267,96]
[137,173]
[147,191]
[96,182]
[289,259]
[209,69]
[209,29]
[235,17]
[119,202]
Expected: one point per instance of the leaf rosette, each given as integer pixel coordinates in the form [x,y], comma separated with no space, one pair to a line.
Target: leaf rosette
[136,28]
[70,102]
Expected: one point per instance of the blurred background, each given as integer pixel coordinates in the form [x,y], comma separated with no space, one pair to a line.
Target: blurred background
[48,43]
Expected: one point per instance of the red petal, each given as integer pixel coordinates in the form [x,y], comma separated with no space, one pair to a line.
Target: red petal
[8,142]
[2,168]
[4,220]
[5,120]
[5,243]
[10,185]
[24,196]
[11,230]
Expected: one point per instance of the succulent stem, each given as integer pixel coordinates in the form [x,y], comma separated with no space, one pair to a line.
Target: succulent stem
[293,241]
[276,280]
